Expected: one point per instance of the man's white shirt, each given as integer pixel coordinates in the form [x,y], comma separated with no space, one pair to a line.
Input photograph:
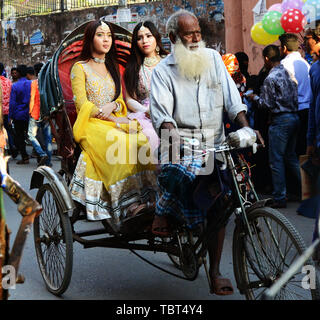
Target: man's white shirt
[298,69]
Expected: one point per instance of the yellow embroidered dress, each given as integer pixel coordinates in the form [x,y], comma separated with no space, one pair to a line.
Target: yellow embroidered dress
[109,175]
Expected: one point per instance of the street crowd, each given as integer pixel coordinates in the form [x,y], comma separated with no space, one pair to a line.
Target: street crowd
[185,92]
[21,115]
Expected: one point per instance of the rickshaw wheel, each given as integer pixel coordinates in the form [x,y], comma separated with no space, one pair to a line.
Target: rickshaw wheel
[53,242]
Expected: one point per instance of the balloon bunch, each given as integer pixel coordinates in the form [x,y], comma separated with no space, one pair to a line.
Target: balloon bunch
[289,16]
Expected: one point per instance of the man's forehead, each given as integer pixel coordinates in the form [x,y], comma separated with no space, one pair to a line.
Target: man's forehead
[188,23]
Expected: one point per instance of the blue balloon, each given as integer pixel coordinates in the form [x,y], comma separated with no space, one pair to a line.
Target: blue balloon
[311,10]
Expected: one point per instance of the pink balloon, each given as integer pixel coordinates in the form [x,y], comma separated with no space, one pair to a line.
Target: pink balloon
[275,7]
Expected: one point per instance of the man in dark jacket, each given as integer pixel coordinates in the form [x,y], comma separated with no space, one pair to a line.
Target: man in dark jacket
[313,136]
[19,111]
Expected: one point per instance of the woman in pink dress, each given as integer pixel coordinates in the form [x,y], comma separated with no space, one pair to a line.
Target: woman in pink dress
[146,52]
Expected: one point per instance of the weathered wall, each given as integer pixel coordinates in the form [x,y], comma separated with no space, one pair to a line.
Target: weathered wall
[239,20]
[34,39]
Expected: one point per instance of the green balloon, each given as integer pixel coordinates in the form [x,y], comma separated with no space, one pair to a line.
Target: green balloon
[271,23]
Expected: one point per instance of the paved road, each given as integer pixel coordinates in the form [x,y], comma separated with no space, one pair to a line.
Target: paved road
[100,273]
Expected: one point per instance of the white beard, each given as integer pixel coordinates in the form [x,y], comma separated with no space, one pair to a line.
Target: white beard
[192,63]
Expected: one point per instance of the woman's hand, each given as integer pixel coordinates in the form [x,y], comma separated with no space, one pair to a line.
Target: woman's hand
[122,120]
[132,128]
[106,110]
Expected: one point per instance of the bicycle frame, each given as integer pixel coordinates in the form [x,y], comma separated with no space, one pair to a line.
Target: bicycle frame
[240,210]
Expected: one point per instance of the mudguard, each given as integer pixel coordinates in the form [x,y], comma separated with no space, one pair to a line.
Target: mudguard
[259,204]
[57,183]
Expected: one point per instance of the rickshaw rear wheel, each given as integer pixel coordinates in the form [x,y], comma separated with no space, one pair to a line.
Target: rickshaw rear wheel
[53,242]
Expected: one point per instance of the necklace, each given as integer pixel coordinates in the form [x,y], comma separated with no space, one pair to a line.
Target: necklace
[151,61]
[98,60]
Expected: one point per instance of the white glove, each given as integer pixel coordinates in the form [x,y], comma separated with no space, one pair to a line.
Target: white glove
[242,138]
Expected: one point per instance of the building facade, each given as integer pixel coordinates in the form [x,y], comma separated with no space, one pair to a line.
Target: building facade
[35,38]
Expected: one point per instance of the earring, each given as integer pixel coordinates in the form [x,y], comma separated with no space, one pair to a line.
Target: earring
[157,49]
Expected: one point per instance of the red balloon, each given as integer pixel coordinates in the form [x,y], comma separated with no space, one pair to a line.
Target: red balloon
[293,21]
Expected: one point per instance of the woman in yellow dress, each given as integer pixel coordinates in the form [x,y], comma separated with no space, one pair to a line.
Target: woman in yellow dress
[114,176]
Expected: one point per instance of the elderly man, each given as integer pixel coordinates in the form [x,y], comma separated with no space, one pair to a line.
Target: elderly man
[189,90]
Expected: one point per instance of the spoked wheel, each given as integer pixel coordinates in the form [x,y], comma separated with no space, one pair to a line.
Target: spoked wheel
[275,247]
[187,261]
[53,242]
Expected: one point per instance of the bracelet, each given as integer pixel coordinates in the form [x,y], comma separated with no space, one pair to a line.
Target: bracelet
[118,125]
[118,108]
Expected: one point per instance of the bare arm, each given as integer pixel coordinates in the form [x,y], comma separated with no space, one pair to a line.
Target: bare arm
[241,119]
[134,105]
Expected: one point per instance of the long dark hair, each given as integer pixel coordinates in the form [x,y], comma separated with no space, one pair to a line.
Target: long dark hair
[110,60]
[131,74]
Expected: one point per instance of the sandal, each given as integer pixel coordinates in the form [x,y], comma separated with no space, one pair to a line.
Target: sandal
[221,287]
[160,226]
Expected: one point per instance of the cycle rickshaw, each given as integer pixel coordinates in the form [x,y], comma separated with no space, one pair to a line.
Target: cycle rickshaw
[265,243]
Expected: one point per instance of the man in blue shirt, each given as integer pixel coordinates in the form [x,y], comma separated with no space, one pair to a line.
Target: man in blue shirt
[299,69]
[19,111]
[279,94]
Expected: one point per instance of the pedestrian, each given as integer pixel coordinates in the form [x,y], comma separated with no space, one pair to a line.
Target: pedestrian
[14,75]
[19,111]
[313,138]
[299,69]
[279,94]
[31,74]
[36,123]
[189,90]
[6,90]
[232,65]
[243,60]
[312,43]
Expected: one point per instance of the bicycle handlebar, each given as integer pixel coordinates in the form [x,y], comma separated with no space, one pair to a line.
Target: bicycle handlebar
[223,148]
